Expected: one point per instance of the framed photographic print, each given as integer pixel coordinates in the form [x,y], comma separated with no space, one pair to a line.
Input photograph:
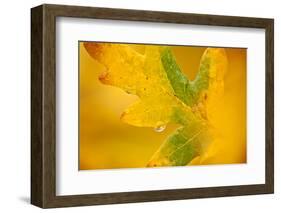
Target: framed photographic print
[136,106]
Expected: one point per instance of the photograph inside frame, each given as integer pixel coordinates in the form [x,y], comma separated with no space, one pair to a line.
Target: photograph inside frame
[148,105]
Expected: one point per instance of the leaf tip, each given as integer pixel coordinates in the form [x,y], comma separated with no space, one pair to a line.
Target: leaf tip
[104,78]
[94,49]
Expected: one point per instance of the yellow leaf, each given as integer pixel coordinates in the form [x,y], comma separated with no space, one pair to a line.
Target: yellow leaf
[165,94]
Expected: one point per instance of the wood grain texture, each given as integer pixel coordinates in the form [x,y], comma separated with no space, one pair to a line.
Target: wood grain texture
[43,105]
[269,117]
[36,106]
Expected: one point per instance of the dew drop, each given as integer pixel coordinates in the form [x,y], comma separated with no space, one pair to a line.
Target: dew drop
[160,128]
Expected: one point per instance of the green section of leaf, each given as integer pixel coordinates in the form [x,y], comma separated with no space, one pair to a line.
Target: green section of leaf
[182,146]
[177,79]
[201,81]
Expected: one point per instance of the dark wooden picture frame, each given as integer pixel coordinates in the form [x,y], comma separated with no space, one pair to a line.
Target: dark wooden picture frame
[43,105]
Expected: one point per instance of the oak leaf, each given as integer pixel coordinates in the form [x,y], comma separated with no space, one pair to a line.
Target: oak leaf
[165,95]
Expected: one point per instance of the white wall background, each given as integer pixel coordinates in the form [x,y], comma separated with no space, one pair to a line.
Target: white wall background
[15,105]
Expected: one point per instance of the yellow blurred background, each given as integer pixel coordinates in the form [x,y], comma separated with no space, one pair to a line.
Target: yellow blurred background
[106,142]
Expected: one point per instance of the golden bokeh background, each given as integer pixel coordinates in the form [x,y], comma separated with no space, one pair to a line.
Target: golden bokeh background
[105,142]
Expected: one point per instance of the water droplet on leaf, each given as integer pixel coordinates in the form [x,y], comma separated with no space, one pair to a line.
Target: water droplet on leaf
[160,128]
